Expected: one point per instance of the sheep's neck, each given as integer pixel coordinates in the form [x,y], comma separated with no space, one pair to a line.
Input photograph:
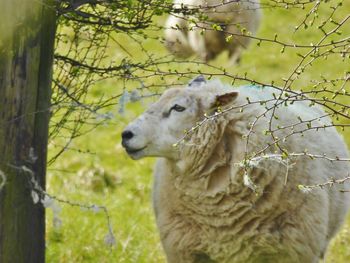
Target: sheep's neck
[211,169]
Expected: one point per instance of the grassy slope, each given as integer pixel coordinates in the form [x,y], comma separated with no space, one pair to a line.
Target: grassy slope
[108,177]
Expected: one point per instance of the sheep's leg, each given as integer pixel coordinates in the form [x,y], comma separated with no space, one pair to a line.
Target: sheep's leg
[202,258]
[174,256]
[235,56]
[180,242]
[193,258]
[197,43]
[179,245]
[176,37]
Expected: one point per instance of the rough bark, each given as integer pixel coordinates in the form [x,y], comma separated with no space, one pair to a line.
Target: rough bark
[27,33]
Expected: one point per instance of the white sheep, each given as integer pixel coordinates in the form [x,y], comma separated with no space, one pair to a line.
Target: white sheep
[224,23]
[216,202]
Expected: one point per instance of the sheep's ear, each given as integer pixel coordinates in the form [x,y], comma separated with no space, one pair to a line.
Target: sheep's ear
[225,99]
[197,81]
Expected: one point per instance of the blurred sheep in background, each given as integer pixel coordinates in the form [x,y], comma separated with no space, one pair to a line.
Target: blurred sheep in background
[215,26]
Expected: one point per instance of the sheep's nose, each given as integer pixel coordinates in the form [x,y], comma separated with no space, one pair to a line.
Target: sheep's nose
[127,135]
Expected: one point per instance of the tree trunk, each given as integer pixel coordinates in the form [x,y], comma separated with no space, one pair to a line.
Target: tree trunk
[27,31]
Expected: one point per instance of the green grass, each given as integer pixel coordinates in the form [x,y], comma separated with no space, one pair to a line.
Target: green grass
[106,176]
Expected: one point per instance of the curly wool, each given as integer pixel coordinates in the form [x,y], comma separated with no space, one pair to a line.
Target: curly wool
[204,211]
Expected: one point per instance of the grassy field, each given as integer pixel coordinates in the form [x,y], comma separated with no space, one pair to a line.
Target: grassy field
[106,176]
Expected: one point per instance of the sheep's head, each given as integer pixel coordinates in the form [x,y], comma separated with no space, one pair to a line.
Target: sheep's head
[155,132]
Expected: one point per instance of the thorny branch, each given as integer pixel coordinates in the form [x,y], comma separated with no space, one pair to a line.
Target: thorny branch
[48,201]
[329,183]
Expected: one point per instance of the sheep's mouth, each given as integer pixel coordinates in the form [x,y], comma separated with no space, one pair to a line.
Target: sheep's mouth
[131,151]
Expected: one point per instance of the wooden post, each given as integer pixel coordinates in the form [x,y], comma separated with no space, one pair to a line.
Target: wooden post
[27,32]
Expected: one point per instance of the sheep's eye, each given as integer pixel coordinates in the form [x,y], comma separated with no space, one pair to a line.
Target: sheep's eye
[177,108]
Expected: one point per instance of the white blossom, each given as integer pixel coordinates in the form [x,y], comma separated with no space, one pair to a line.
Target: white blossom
[35,197]
[247,181]
[47,201]
[95,208]
[32,156]
[135,96]
[50,203]
[104,116]
[57,222]
[26,169]
[304,189]
[56,208]
[110,239]
[3,179]
[124,98]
